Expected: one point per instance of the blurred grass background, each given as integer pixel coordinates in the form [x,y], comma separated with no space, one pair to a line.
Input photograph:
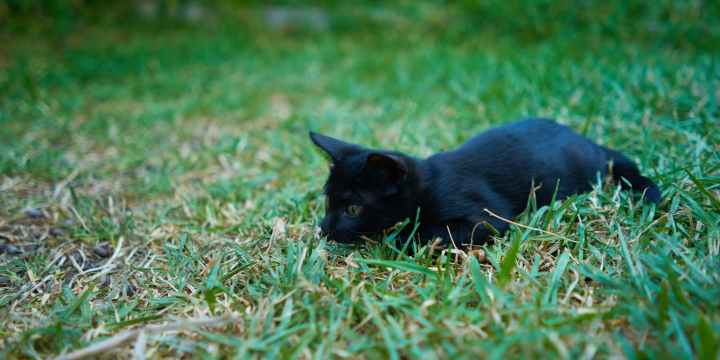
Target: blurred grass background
[166,117]
[137,68]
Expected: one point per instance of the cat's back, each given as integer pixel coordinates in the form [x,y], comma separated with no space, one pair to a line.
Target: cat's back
[529,133]
[510,156]
[519,141]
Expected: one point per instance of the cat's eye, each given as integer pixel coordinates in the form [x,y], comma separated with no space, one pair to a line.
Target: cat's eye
[354,210]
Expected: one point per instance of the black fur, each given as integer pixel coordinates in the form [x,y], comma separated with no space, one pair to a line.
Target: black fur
[493,170]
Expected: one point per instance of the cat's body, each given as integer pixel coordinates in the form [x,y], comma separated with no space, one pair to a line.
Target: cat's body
[494,170]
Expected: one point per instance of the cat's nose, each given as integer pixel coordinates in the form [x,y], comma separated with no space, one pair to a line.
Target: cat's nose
[325,230]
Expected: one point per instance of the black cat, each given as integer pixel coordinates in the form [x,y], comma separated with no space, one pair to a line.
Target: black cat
[370,190]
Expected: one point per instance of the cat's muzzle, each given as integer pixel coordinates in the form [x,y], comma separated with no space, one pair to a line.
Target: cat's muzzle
[339,237]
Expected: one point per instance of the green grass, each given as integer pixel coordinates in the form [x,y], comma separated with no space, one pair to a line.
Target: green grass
[185,148]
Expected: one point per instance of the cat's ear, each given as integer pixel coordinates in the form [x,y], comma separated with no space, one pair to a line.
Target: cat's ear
[336,149]
[389,164]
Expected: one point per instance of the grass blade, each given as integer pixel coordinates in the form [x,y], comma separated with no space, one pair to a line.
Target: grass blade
[81,299]
[555,277]
[400,265]
[509,262]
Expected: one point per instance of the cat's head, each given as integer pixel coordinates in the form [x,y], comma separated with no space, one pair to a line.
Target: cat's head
[367,191]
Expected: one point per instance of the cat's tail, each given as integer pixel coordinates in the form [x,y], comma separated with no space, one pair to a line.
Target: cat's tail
[622,167]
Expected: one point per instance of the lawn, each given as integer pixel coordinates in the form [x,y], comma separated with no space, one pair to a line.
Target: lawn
[158,187]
